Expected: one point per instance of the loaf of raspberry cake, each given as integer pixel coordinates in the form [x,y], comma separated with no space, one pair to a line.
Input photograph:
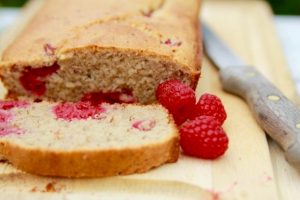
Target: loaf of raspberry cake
[71,49]
[85,140]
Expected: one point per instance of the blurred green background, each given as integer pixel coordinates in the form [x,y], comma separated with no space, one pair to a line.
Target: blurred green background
[285,7]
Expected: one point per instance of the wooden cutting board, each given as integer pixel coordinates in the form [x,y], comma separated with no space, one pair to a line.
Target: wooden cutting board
[253,167]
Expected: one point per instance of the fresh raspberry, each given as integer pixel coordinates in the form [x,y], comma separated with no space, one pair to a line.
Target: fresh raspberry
[79,110]
[32,79]
[210,105]
[95,98]
[203,137]
[178,98]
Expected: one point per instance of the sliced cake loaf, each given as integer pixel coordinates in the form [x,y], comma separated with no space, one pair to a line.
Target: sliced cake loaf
[85,140]
[75,48]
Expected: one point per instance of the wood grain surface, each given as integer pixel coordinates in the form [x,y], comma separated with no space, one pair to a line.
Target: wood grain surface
[247,26]
[276,114]
[253,167]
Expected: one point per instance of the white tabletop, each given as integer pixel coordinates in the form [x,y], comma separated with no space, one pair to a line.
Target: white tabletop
[7,17]
[288,28]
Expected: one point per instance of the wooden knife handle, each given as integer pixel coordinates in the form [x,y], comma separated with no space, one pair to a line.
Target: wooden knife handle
[276,114]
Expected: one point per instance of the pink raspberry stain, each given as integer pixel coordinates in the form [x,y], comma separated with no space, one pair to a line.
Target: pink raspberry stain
[8,130]
[49,49]
[172,42]
[125,96]
[33,79]
[5,116]
[217,195]
[267,177]
[144,125]
[7,105]
[79,110]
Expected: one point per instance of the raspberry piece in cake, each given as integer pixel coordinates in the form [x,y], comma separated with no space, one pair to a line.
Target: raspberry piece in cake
[33,79]
[80,110]
[172,43]
[144,125]
[6,105]
[95,98]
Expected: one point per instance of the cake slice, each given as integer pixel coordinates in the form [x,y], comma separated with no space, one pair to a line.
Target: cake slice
[85,140]
[71,49]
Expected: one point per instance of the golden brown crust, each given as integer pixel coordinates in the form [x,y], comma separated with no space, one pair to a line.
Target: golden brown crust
[198,57]
[81,24]
[90,163]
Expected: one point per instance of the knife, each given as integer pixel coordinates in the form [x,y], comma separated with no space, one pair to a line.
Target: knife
[275,113]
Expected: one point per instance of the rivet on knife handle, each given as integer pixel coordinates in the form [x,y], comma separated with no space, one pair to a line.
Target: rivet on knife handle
[277,115]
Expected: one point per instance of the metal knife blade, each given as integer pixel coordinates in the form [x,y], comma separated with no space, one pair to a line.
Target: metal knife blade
[218,52]
[274,112]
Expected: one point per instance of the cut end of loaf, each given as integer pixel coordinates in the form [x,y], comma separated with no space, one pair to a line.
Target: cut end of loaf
[103,47]
[85,140]
[84,71]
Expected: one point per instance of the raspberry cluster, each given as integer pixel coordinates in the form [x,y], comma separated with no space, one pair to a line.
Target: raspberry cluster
[201,132]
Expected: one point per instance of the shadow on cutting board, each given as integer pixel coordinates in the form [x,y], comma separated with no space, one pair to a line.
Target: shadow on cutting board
[18,185]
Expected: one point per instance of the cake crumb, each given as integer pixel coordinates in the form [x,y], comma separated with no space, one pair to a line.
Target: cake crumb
[53,187]
[49,187]
[57,135]
[34,189]
[147,13]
